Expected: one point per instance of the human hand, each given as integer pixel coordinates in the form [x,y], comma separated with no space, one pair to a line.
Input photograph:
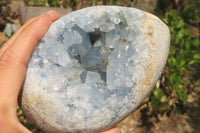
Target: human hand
[14,57]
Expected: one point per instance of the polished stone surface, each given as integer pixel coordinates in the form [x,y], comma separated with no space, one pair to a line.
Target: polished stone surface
[93,67]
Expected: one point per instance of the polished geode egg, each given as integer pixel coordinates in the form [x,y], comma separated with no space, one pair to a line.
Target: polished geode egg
[93,67]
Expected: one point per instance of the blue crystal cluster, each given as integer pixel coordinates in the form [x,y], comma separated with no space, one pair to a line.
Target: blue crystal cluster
[93,67]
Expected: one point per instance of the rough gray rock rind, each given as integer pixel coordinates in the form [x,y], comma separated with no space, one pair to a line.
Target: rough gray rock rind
[93,67]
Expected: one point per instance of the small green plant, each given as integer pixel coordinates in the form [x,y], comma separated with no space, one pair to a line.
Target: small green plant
[189,14]
[182,95]
[162,6]
[22,119]
[184,49]
[34,2]
[52,3]
[114,1]
[76,1]
[159,99]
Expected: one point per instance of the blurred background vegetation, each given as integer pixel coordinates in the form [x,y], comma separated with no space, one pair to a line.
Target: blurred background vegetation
[180,80]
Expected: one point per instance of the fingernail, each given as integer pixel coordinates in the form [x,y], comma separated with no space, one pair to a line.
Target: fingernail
[53,14]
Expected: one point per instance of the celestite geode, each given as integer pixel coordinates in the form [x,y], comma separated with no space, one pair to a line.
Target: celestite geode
[93,67]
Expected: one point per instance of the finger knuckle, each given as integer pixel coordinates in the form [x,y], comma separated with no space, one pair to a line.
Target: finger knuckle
[6,58]
[9,58]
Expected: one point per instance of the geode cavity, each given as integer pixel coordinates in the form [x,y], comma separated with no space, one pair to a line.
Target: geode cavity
[93,67]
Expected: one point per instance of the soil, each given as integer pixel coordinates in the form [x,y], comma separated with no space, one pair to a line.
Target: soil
[143,120]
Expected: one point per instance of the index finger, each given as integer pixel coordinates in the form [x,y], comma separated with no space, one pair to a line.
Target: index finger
[12,39]
[14,60]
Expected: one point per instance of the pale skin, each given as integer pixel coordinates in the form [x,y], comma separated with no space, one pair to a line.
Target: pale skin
[14,56]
